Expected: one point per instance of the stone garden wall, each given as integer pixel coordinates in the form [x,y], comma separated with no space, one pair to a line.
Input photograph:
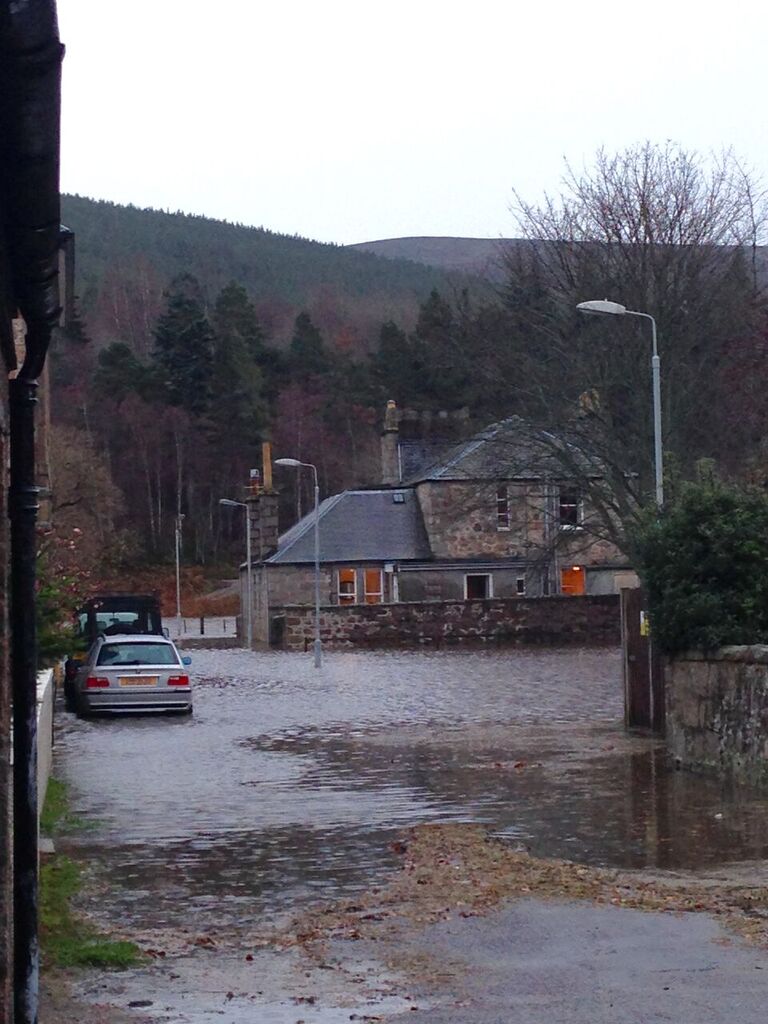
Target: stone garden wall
[539,620]
[717,711]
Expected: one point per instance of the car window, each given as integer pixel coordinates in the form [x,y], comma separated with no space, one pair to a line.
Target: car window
[111,623]
[106,619]
[137,654]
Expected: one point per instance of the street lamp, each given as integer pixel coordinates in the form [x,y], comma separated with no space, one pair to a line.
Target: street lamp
[308,465]
[249,583]
[602,307]
[179,518]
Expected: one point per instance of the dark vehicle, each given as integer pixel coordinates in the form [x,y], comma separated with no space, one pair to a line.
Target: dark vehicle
[109,615]
[119,613]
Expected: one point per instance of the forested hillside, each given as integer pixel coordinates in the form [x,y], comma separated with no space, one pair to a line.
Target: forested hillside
[126,258]
[196,340]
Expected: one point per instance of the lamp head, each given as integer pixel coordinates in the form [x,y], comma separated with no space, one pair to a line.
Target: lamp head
[602,307]
[288,462]
[230,502]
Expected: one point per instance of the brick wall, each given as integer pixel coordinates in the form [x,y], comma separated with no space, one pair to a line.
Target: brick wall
[717,711]
[542,620]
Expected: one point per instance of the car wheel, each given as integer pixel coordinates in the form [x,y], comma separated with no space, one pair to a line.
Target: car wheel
[81,710]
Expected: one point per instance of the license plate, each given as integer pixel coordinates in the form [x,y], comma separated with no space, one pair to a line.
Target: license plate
[138,680]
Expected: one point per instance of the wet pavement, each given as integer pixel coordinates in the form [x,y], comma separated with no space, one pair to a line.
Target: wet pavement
[543,963]
[290,784]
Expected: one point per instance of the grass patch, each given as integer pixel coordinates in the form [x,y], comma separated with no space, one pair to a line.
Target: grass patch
[55,808]
[57,815]
[67,940]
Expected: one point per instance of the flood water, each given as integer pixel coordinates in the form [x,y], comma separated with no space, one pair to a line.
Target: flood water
[289,783]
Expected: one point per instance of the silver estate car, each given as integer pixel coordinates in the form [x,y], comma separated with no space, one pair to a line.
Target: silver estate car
[133,673]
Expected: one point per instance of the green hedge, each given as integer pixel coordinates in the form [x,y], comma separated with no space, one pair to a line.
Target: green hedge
[704,562]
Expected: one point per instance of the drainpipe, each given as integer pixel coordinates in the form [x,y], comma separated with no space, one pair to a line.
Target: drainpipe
[22,509]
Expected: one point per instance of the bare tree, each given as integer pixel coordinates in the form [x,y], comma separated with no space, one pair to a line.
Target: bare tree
[662,231]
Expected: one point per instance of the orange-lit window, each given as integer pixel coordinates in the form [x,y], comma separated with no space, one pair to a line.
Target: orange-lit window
[347,586]
[572,581]
[374,593]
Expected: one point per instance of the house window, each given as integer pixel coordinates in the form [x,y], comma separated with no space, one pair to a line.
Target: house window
[570,508]
[347,586]
[374,593]
[520,586]
[572,581]
[477,586]
[502,508]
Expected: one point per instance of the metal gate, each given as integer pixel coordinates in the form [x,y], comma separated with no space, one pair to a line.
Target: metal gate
[643,676]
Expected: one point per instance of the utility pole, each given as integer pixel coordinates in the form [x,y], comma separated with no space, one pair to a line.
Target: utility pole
[179,518]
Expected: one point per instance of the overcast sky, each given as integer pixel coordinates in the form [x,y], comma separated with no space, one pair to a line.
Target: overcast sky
[350,121]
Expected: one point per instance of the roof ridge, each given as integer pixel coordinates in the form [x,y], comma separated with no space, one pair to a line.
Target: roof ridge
[438,468]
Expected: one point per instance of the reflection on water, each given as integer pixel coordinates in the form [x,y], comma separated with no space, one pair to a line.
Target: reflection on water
[289,784]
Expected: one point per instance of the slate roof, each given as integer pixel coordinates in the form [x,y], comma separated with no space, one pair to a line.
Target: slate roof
[510,449]
[416,456]
[359,526]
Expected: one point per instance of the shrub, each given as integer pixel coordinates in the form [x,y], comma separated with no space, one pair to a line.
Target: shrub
[704,562]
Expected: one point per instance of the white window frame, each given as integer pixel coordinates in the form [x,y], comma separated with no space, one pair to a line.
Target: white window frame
[488,576]
[520,586]
[345,594]
[578,505]
[373,593]
[502,514]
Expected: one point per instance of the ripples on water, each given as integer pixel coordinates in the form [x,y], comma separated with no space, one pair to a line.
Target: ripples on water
[289,782]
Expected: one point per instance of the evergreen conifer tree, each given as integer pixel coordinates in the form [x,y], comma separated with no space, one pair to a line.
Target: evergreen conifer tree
[238,407]
[396,365]
[184,347]
[444,377]
[119,372]
[308,355]
[235,316]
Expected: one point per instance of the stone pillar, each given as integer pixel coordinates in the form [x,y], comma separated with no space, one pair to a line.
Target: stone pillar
[390,462]
[260,606]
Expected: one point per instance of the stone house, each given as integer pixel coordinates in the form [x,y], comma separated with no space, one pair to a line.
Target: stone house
[487,517]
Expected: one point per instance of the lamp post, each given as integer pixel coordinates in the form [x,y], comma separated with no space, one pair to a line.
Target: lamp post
[297,464]
[602,307]
[249,582]
[179,518]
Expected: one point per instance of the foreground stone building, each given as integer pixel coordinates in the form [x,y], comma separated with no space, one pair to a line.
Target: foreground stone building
[488,517]
[30,240]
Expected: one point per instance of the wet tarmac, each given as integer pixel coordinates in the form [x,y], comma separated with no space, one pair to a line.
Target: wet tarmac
[288,784]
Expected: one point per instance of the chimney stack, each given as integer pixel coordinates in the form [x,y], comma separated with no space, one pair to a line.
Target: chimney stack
[262,509]
[390,461]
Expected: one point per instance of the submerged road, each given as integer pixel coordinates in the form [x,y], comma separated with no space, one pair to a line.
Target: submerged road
[290,785]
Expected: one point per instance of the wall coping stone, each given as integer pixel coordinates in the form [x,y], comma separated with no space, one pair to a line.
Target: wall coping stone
[750,653]
[592,598]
